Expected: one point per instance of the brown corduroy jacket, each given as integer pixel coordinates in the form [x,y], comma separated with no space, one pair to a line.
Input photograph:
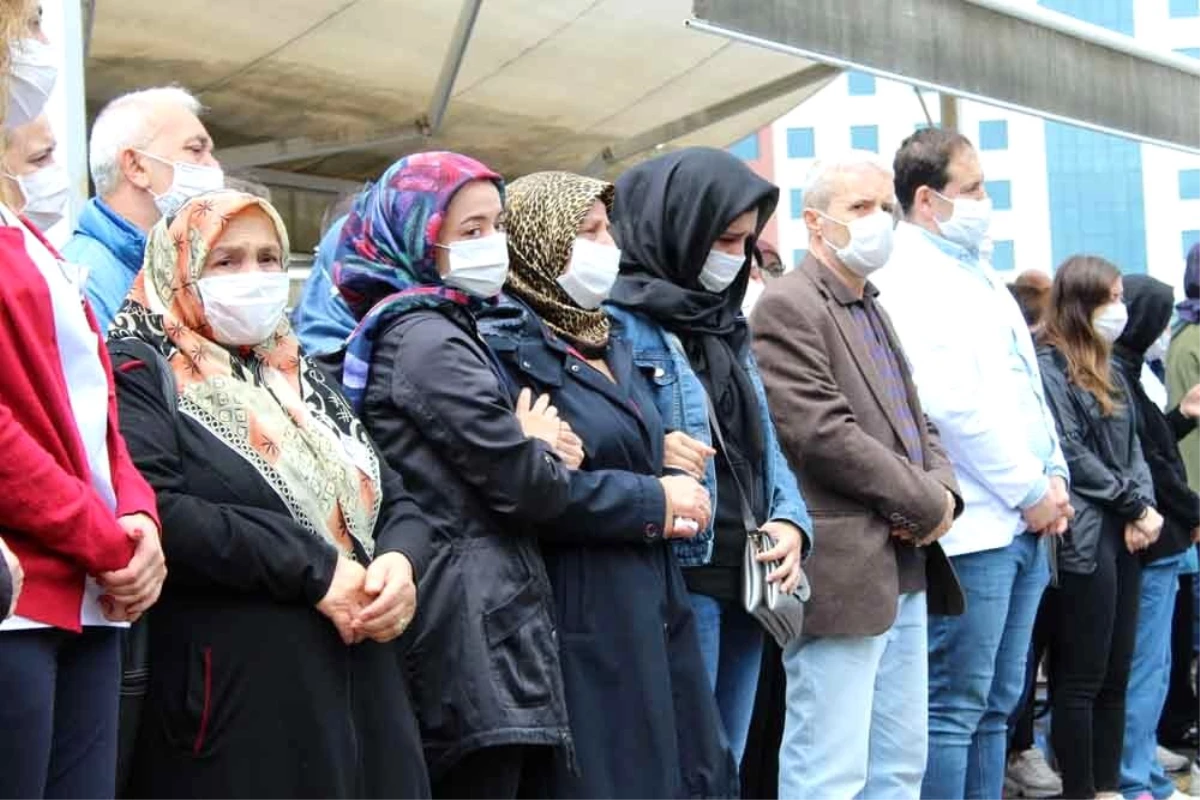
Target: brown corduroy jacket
[838,429]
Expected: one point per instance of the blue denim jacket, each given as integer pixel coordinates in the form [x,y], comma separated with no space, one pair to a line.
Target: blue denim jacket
[679,396]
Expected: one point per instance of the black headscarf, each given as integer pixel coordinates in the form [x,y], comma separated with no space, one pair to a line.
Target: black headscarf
[669,213]
[1149,303]
[1189,309]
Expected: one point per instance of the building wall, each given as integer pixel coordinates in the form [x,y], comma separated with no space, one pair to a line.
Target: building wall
[1068,190]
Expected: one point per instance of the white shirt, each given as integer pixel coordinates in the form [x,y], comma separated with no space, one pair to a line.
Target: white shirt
[87,387]
[976,373]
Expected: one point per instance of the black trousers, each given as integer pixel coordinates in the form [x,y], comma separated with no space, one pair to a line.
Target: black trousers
[58,712]
[1182,709]
[507,772]
[1096,630]
[1021,724]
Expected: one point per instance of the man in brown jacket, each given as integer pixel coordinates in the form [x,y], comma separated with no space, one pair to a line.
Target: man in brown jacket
[880,491]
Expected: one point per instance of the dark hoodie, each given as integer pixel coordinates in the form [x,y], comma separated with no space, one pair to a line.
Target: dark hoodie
[669,212]
[1149,303]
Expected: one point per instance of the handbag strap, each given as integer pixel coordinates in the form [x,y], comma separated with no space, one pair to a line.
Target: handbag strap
[748,522]
[752,527]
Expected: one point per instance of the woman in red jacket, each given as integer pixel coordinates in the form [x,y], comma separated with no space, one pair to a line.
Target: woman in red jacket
[73,508]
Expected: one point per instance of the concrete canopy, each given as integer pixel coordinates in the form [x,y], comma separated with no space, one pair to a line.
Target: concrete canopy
[1009,54]
[341,88]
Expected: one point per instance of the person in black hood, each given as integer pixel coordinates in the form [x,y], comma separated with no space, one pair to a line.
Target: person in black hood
[1149,302]
[687,223]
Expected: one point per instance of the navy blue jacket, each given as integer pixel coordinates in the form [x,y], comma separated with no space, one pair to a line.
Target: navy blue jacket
[642,712]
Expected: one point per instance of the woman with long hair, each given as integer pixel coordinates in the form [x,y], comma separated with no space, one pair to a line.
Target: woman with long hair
[74,512]
[1112,492]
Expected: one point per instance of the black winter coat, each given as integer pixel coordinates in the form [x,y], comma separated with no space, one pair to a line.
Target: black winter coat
[1150,304]
[251,691]
[643,714]
[1109,476]
[484,664]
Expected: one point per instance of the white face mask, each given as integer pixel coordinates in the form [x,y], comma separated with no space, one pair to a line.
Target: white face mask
[591,273]
[720,270]
[968,223]
[189,180]
[46,191]
[870,245]
[246,308]
[1157,351]
[32,73]
[478,267]
[1110,320]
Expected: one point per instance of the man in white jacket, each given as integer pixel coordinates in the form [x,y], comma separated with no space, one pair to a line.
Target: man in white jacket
[977,376]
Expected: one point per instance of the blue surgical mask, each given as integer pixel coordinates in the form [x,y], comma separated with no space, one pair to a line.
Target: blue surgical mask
[720,270]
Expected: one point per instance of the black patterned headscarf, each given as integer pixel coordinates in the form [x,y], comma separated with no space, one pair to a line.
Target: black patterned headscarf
[542,217]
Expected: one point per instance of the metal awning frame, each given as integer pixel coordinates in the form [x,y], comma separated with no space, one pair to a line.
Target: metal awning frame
[1057,22]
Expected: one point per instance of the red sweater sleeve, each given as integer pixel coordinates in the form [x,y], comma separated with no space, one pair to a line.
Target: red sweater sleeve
[43,502]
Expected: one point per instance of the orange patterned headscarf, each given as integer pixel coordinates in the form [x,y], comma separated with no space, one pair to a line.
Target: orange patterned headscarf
[266,402]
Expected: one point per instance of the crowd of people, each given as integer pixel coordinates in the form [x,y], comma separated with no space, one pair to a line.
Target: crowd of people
[482,516]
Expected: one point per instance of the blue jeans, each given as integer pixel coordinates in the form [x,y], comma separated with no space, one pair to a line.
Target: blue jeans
[731,642]
[977,668]
[1148,678]
[855,725]
[58,712]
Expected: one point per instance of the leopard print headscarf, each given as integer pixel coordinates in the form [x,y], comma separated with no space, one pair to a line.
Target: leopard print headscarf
[542,217]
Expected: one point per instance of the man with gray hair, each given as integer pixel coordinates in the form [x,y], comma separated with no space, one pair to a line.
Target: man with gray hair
[881,493]
[149,154]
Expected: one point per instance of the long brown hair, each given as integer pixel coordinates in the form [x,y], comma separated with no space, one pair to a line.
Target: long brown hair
[1082,285]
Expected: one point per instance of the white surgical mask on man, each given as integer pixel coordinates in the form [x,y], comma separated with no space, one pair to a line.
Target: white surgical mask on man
[591,273]
[870,245]
[968,223]
[246,308]
[188,181]
[720,270]
[32,72]
[478,267]
[1110,320]
[46,192]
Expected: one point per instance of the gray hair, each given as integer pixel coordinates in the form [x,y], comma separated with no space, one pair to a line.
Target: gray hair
[821,183]
[128,121]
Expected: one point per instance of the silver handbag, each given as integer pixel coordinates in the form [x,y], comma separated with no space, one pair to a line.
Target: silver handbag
[780,613]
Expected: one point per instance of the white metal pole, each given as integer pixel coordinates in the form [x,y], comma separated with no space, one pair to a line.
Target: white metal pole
[62,21]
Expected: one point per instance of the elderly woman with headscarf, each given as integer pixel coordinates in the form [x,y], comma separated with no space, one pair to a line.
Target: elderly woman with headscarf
[292,547]
[622,606]
[687,223]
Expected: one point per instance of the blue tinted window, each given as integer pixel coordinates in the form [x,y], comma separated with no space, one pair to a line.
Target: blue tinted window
[860,84]
[1001,194]
[1185,8]
[1095,188]
[1116,15]
[1190,52]
[746,149]
[797,203]
[801,143]
[1002,255]
[993,135]
[798,257]
[1189,184]
[864,137]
